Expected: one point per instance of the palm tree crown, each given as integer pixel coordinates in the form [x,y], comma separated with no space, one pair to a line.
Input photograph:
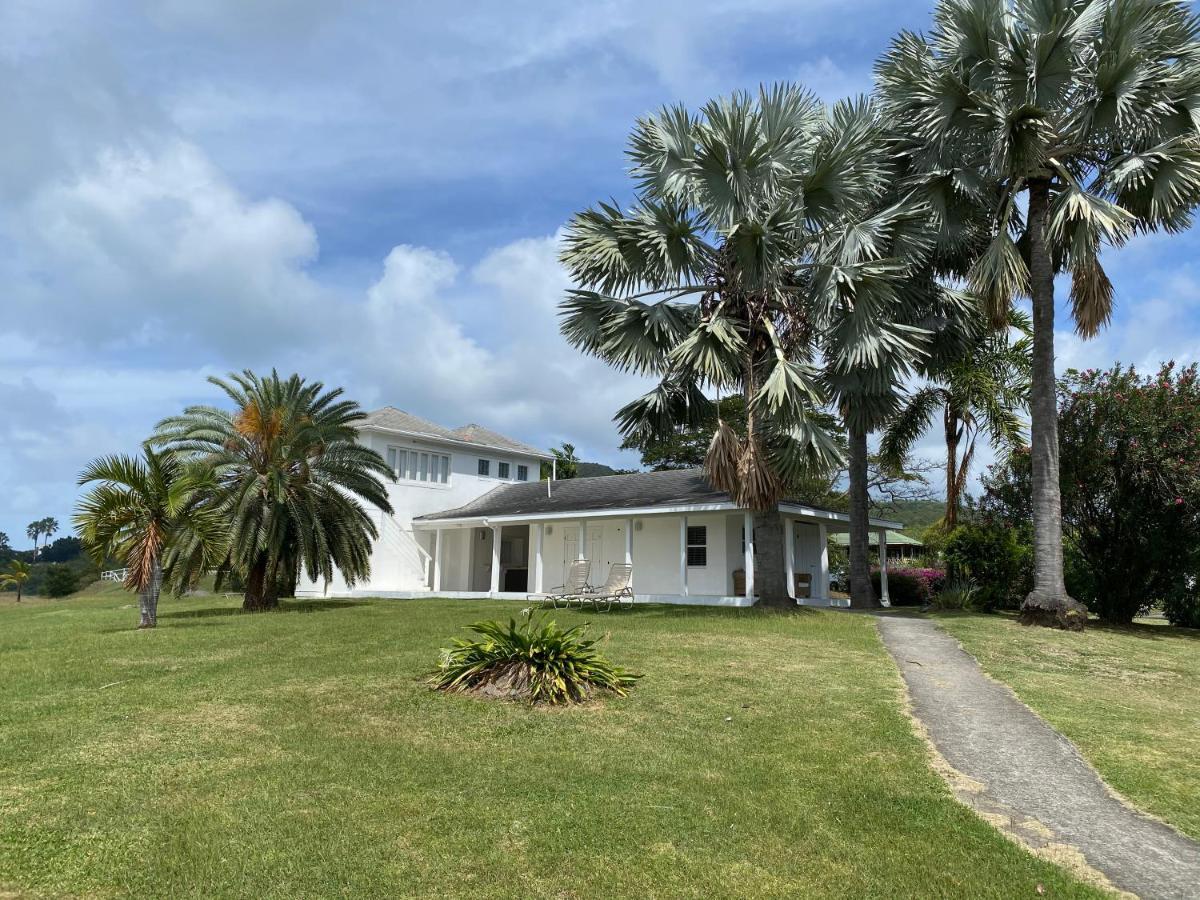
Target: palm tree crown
[1073,124]
[18,573]
[287,471]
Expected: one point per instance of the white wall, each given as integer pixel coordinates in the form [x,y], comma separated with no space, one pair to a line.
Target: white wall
[396,563]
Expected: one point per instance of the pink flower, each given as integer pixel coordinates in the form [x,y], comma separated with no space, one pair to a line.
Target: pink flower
[1179,501]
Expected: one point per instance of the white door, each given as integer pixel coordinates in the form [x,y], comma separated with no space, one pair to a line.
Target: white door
[595,542]
[808,553]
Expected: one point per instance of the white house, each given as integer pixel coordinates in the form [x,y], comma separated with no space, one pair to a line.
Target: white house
[472,519]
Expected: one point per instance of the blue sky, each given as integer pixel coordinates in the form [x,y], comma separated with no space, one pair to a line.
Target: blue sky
[368,193]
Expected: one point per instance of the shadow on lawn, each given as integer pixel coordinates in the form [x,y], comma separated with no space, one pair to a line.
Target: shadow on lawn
[285,606]
[1145,630]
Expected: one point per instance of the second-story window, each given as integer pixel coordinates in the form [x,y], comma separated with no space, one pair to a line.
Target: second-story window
[501,470]
[485,467]
[522,473]
[415,465]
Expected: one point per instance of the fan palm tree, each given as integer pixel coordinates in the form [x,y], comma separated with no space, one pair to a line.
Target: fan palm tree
[286,469]
[982,391]
[1074,123]
[142,511]
[49,528]
[755,258]
[18,573]
[34,531]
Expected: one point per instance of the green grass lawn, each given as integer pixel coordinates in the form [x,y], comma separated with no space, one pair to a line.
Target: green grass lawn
[299,754]
[1128,697]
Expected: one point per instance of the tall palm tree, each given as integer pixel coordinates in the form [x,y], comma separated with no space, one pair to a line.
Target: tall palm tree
[287,471]
[18,573]
[1074,123]
[143,511]
[49,528]
[34,531]
[755,254]
[982,391]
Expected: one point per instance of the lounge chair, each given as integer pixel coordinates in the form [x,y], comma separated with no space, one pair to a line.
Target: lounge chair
[577,576]
[617,589]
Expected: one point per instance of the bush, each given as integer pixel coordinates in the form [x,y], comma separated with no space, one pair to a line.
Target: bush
[959,594]
[996,559]
[909,586]
[59,581]
[534,661]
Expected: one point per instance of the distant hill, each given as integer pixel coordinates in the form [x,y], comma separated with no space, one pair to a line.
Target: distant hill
[593,469]
[917,515]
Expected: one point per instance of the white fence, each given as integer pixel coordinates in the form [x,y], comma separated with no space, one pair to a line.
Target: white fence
[114,575]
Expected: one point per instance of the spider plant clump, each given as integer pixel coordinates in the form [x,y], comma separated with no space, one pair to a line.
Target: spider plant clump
[535,661]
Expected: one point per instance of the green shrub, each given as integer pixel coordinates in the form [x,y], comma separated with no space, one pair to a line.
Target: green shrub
[996,559]
[957,594]
[535,661]
[59,581]
[1182,607]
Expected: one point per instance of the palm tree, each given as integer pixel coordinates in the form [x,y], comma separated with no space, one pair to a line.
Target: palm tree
[1074,124]
[18,573]
[983,390]
[143,511]
[33,531]
[755,255]
[49,528]
[286,470]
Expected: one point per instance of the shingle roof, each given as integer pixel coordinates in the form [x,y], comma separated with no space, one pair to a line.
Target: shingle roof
[394,419]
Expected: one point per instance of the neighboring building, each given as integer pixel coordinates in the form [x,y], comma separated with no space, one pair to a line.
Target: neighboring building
[477,523]
[899,545]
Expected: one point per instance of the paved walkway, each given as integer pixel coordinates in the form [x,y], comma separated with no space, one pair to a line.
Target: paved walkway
[1027,778]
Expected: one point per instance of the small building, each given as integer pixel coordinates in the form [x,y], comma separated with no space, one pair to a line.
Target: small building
[471,519]
[899,545]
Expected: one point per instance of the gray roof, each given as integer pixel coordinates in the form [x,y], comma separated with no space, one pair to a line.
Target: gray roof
[393,419]
[684,486]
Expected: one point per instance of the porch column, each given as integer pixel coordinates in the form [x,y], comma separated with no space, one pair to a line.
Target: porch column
[539,538]
[629,547]
[789,543]
[582,543]
[748,562]
[823,537]
[883,589]
[683,585]
[437,559]
[495,588]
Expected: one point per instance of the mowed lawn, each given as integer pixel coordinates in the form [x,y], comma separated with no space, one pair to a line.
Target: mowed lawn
[1128,697]
[300,754]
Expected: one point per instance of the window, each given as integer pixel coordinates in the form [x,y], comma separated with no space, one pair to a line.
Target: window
[485,467]
[501,470]
[522,473]
[412,465]
[697,545]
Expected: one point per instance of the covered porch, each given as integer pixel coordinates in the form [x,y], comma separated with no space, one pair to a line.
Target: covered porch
[700,554]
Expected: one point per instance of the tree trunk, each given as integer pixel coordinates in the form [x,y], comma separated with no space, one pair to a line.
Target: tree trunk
[950,519]
[260,591]
[862,594]
[19,586]
[155,589]
[770,562]
[1048,603]
[147,620]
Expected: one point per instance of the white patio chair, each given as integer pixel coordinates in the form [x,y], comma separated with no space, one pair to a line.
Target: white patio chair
[617,589]
[577,583]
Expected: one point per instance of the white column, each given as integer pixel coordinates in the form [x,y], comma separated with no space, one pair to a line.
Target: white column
[748,525]
[539,539]
[823,575]
[581,553]
[629,547]
[495,559]
[683,585]
[789,539]
[883,588]
[437,559]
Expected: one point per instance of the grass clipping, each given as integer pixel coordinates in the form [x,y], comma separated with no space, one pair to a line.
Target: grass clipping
[533,661]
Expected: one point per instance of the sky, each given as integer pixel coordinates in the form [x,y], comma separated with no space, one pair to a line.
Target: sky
[369,193]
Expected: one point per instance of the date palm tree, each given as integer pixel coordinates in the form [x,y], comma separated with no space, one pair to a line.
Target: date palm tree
[144,511]
[18,573]
[1074,123]
[288,475]
[983,391]
[755,259]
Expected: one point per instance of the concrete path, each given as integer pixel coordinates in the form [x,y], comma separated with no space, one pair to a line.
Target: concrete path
[1028,779]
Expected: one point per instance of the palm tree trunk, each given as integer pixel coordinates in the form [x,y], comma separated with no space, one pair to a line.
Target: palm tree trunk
[261,593]
[155,590]
[1048,603]
[144,608]
[770,564]
[950,519]
[862,594]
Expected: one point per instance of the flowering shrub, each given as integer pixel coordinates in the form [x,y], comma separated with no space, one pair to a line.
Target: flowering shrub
[910,585]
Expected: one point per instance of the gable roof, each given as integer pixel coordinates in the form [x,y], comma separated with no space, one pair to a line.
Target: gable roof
[397,420]
[640,490]
[894,538]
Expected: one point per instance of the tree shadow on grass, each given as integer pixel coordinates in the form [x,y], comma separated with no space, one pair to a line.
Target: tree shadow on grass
[285,606]
[1148,631]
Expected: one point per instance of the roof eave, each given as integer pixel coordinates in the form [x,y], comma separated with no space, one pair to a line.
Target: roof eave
[458,442]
